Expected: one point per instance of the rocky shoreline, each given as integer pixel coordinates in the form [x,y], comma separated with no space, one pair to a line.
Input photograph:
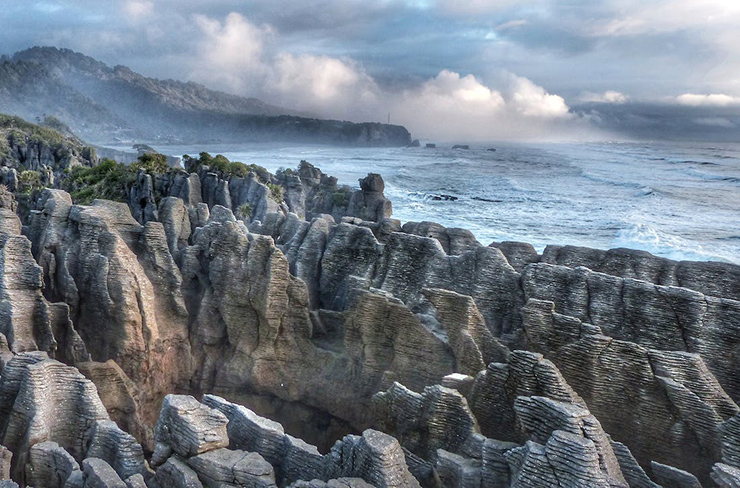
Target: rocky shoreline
[146,343]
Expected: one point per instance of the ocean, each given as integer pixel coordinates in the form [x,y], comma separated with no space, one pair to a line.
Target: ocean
[676,200]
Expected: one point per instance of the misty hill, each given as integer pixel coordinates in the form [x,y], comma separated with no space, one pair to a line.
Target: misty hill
[105,104]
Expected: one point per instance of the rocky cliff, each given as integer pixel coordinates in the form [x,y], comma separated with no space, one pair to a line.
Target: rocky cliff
[403,355]
[103,104]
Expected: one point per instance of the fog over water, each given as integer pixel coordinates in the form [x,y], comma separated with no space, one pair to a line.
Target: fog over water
[677,200]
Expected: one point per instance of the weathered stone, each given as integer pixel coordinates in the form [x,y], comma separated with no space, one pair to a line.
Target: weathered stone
[375,457]
[187,428]
[670,477]
[98,474]
[175,474]
[224,467]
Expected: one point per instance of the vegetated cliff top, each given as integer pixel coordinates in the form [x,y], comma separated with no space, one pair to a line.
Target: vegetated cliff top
[103,104]
[16,134]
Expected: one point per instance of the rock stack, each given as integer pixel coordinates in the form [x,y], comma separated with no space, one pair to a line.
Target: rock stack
[391,355]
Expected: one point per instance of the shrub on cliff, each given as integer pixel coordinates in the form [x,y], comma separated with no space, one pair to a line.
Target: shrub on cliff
[152,163]
[29,181]
[220,164]
[276,192]
[108,180]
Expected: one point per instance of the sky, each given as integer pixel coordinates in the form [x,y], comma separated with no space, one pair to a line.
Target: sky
[453,69]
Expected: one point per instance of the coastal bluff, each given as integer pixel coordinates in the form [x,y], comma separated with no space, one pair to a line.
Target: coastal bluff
[223,328]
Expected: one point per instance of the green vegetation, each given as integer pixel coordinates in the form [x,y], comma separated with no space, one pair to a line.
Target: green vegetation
[19,128]
[220,164]
[152,163]
[28,181]
[276,192]
[340,198]
[110,180]
[244,212]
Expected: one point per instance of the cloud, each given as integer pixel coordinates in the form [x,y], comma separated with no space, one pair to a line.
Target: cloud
[712,100]
[137,9]
[609,96]
[338,88]
[244,58]
[532,100]
[231,52]
[451,106]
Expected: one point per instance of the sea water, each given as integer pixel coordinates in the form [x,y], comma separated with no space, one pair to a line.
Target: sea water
[677,200]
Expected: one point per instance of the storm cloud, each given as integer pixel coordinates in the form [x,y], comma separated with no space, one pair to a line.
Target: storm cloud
[465,70]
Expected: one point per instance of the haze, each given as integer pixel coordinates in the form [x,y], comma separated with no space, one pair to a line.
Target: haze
[473,70]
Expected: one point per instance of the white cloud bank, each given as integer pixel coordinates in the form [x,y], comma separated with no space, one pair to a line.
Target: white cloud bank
[711,100]
[237,56]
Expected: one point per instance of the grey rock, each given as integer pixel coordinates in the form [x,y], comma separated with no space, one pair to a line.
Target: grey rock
[98,474]
[174,473]
[50,402]
[375,457]
[116,447]
[458,471]
[338,483]
[187,428]
[454,241]
[437,419]
[222,467]
[670,477]
[710,278]
[519,254]
[49,465]
[726,476]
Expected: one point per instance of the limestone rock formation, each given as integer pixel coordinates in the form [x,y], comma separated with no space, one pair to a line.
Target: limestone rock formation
[477,365]
[188,428]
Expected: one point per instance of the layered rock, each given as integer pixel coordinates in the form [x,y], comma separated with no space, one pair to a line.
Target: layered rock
[309,320]
[106,267]
[52,418]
